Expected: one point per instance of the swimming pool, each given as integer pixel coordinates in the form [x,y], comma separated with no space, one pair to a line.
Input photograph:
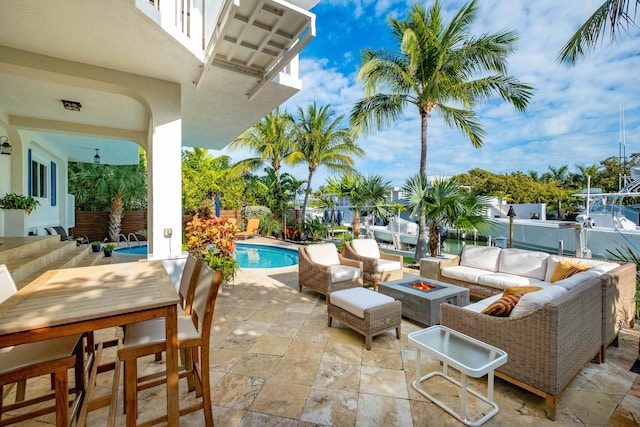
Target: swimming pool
[264,256]
[133,250]
[247,254]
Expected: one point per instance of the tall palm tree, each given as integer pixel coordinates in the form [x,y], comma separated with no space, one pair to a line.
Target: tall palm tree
[322,140]
[445,203]
[271,139]
[615,14]
[441,67]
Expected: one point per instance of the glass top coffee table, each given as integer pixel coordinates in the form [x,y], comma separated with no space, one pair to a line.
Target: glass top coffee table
[467,355]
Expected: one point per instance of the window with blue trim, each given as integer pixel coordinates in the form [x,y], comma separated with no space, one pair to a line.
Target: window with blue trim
[39,178]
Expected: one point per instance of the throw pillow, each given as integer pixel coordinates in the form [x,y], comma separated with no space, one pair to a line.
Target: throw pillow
[503,306]
[520,290]
[566,269]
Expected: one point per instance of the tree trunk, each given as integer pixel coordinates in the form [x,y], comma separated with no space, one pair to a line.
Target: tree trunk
[280,197]
[421,245]
[355,226]
[115,217]
[434,238]
[304,205]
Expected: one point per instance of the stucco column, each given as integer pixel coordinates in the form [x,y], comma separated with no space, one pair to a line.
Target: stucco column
[165,191]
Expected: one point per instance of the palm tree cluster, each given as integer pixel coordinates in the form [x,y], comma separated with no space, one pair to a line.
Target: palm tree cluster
[316,136]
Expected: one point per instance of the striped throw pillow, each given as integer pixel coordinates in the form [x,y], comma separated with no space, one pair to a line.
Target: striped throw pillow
[503,306]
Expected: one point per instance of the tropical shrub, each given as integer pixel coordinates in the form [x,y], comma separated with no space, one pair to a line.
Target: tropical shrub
[629,255]
[315,229]
[269,226]
[255,211]
[214,240]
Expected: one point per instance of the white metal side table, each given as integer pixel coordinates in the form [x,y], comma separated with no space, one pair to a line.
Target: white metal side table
[467,355]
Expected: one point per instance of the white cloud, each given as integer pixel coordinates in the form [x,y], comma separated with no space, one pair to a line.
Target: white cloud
[572,118]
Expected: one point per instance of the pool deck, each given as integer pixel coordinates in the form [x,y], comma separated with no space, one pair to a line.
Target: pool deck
[275,362]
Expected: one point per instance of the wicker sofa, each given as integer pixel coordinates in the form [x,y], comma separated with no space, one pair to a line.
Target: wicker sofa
[547,347]
[487,271]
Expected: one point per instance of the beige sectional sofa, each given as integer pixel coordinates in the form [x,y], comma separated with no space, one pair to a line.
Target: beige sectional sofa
[488,270]
[551,333]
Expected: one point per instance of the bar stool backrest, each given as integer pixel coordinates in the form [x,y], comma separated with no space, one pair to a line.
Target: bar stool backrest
[7,285]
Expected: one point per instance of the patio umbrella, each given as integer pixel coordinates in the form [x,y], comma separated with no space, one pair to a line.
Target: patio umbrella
[217,203]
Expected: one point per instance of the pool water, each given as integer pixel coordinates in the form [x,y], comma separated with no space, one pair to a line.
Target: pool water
[247,254]
[133,250]
[262,256]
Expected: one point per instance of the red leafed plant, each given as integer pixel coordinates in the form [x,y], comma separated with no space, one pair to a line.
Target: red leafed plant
[213,239]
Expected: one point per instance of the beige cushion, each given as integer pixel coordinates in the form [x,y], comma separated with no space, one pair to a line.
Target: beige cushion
[482,304]
[13,358]
[523,263]
[503,280]
[323,254]
[595,264]
[483,257]
[366,248]
[153,331]
[467,274]
[340,273]
[576,280]
[388,265]
[357,300]
[534,300]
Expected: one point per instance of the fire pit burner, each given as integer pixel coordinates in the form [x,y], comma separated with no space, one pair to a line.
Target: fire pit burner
[422,285]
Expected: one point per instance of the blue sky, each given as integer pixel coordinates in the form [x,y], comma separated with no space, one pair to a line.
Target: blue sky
[572,119]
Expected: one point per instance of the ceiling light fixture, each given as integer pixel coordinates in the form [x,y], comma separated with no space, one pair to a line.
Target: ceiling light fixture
[96,158]
[5,147]
[71,105]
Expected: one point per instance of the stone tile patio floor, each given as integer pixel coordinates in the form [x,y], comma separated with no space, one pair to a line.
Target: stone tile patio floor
[276,363]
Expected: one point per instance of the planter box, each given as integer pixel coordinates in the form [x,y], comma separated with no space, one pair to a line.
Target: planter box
[15,223]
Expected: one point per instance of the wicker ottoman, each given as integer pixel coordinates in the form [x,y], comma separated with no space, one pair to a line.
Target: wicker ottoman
[365,311]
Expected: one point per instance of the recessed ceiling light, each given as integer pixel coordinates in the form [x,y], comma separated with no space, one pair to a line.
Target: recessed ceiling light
[71,105]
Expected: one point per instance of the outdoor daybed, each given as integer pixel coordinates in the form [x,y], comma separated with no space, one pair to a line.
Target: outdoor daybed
[487,271]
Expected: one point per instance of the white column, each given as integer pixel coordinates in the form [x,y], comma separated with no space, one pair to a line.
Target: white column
[165,191]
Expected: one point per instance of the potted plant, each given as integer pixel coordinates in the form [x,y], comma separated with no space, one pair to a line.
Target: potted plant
[19,202]
[16,207]
[95,246]
[108,249]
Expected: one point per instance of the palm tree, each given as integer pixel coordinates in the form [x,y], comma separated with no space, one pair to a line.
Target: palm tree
[445,203]
[439,66]
[119,183]
[559,174]
[534,175]
[362,192]
[271,139]
[322,140]
[615,14]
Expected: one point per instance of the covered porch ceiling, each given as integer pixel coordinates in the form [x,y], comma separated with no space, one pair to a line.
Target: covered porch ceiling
[115,35]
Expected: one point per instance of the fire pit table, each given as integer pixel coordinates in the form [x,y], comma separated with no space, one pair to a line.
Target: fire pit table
[421,297]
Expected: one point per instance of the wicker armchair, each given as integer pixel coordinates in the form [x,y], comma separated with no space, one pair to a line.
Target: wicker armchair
[377,267]
[323,269]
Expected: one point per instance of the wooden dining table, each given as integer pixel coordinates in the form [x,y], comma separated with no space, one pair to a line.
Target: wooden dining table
[78,300]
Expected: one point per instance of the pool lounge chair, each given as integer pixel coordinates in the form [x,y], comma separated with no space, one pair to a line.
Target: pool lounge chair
[252,229]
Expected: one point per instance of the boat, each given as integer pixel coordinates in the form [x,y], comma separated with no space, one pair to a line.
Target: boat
[399,233]
[606,225]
